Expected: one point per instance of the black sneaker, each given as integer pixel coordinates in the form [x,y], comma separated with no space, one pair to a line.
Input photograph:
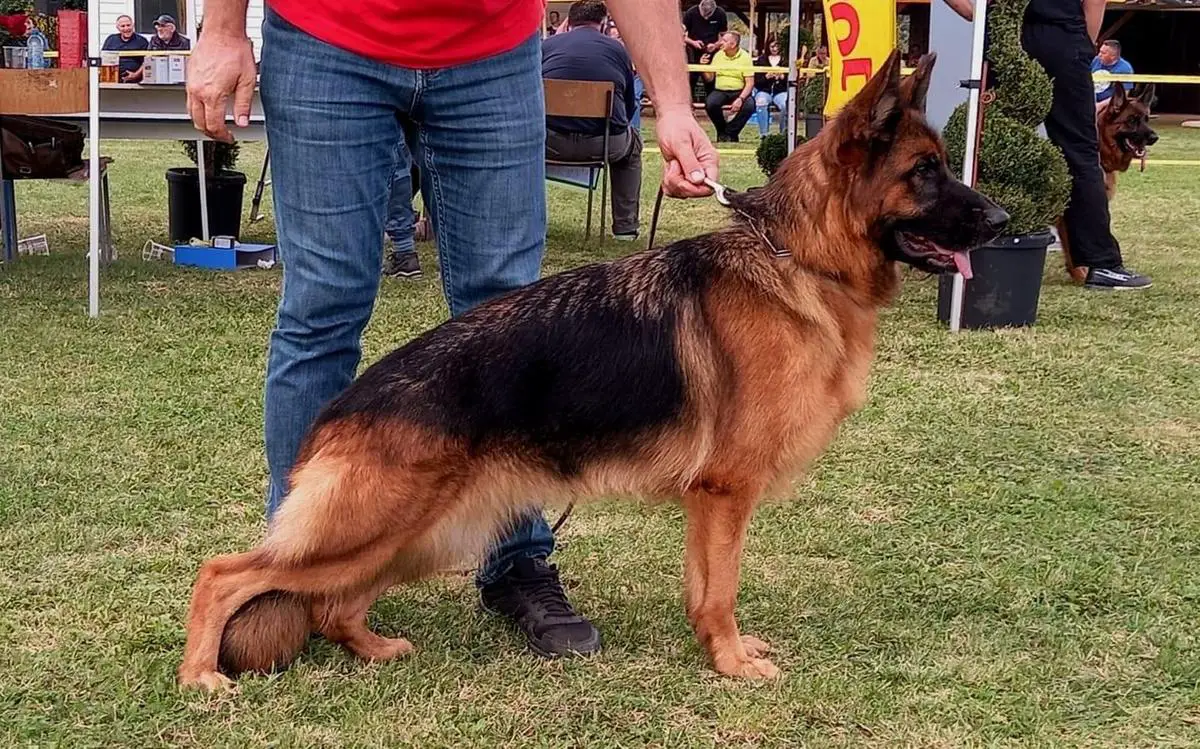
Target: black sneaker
[402,265]
[1119,278]
[531,597]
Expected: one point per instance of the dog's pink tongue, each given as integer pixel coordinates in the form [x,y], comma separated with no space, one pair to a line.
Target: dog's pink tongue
[962,261]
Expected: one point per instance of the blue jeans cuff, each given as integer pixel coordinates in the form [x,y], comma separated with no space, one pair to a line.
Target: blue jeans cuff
[530,538]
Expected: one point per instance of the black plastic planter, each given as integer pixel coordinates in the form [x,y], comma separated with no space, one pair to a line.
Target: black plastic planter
[813,124]
[225,192]
[1006,286]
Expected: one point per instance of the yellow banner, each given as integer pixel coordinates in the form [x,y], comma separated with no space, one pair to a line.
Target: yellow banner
[862,33]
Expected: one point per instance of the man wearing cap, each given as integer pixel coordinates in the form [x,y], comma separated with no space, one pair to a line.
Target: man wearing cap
[166,36]
[337,94]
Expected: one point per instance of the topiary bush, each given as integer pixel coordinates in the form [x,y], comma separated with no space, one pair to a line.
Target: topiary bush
[1024,173]
[218,157]
[771,152]
[804,39]
[812,95]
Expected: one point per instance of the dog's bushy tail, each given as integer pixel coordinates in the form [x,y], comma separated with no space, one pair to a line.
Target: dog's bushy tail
[266,634]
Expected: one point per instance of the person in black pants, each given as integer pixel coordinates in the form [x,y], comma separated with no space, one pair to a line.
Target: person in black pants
[1061,36]
[733,83]
[703,25]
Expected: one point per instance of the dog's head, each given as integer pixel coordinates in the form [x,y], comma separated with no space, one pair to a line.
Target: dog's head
[1126,121]
[899,185]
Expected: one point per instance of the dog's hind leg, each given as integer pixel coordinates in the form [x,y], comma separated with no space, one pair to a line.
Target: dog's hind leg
[222,586]
[344,620]
[310,551]
[1076,272]
[716,531]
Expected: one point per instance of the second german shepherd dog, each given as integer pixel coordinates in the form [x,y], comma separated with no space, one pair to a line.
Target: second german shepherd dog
[710,372]
[1124,132]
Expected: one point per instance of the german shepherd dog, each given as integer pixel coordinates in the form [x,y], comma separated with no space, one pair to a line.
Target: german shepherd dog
[710,371]
[1125,134]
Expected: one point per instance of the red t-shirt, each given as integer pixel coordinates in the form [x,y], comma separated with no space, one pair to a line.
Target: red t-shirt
[417,33]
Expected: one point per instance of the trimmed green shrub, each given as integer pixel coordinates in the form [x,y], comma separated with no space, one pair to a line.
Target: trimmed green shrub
[771,152]
[812,94]
[804,39]
[1023,89]
[1024,173]
[218,157]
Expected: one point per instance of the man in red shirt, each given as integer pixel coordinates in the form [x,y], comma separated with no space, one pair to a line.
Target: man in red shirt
[465,76]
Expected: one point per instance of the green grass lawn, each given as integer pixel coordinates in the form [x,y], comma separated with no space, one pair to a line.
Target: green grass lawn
[1002,548]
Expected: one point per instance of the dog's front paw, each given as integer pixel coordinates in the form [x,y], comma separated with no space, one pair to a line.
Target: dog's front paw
[749,668]
[208,681]
[755,648]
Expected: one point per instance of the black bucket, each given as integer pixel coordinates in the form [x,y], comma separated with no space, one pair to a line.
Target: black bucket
[813,124]
[1006,286]
[225,192]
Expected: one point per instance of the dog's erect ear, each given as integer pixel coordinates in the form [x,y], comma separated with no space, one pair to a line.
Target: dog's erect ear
[1147,96]
[876,108]
[869,119]
[1117,103]
[915,88]
[885,99]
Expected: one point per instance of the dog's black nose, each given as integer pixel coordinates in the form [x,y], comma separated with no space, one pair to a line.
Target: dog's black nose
[996,218]
[1152,139]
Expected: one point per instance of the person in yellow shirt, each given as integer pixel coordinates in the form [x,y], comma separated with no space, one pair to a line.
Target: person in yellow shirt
[734,82]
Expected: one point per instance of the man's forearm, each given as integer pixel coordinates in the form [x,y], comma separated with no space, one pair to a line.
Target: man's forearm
[1093,13]
[652,32]
[747,88]
[227,17]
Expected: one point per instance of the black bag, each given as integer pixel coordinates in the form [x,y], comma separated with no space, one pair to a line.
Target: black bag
[39,148]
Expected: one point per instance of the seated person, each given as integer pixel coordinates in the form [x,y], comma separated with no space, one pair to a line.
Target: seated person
[733,82]
[1110,61]
[166,36]
[703,25]
[127,41]
[770,88]
[585,53]
[820,58]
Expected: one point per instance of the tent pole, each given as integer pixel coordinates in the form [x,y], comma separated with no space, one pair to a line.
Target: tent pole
[970,153]
[94,176]
[203,177]
[793,52]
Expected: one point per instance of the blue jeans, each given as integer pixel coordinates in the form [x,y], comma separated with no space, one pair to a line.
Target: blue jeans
[635,117]
[762,114]
[334,122]
[400,215]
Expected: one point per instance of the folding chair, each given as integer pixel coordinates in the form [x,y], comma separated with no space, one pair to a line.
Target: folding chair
[591,100]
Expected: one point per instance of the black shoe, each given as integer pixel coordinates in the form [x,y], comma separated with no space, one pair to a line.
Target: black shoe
[1118,278]
[403,265]
[531,597]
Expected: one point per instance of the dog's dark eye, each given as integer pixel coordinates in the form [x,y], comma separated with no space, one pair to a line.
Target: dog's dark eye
[928,165]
